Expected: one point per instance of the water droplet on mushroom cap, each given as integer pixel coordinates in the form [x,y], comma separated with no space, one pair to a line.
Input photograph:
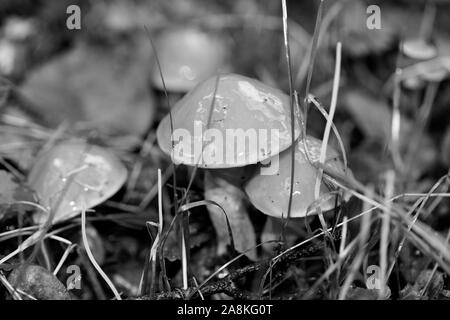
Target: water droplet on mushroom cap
[187,56]
[270,193]
[241,103]
[84,167]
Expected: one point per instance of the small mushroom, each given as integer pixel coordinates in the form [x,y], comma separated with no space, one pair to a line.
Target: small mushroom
[187,56]
[74,175]
[419,49]
[427,63]
[417,75]
[270,193]
[213,128]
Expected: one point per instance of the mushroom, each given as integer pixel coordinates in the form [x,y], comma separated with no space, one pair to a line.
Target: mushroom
[419,46]
[417,75]
[226,124]
[186,57]
[424,62]
[73,176]
[419,49]
[270,193]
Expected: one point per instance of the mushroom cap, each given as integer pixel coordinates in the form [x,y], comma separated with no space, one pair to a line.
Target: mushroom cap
[93,173]
[250,122]
[419,49]
[270,193]
[434,70]
[187,56]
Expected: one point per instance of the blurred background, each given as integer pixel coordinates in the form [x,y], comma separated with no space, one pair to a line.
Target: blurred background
[96,75]
[103,76]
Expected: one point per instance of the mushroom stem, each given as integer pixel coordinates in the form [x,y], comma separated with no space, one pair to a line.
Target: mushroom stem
[224,190]
[273,229]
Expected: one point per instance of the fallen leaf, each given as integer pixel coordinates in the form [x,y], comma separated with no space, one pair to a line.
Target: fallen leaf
[230,199]
[104,89]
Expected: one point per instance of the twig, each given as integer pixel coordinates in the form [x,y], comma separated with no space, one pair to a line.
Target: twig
[227,284]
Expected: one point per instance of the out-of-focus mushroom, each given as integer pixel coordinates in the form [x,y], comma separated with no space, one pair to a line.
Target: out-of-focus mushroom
[270,193]
[228,122]
[15,46]
[419,49]
[94,88]
[417,75]
[74,175]
[187,56]
[419,46]
[428,62]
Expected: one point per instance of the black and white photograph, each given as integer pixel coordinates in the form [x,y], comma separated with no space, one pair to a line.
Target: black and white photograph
[219,159]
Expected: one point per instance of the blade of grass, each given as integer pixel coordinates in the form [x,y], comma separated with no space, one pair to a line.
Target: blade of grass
[396,122]
[13,292]
[326,134]
[63,258]
[191,180]
[385,229]
[174,180]
[433,271]
[293,118]
[154,253]
[324,25]
[325,114]
[363,236]
[91,256]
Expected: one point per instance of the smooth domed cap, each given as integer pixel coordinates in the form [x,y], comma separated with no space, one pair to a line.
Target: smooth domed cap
[187,56]
[244,110]
[94,174]
[270,193]
[419,49]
